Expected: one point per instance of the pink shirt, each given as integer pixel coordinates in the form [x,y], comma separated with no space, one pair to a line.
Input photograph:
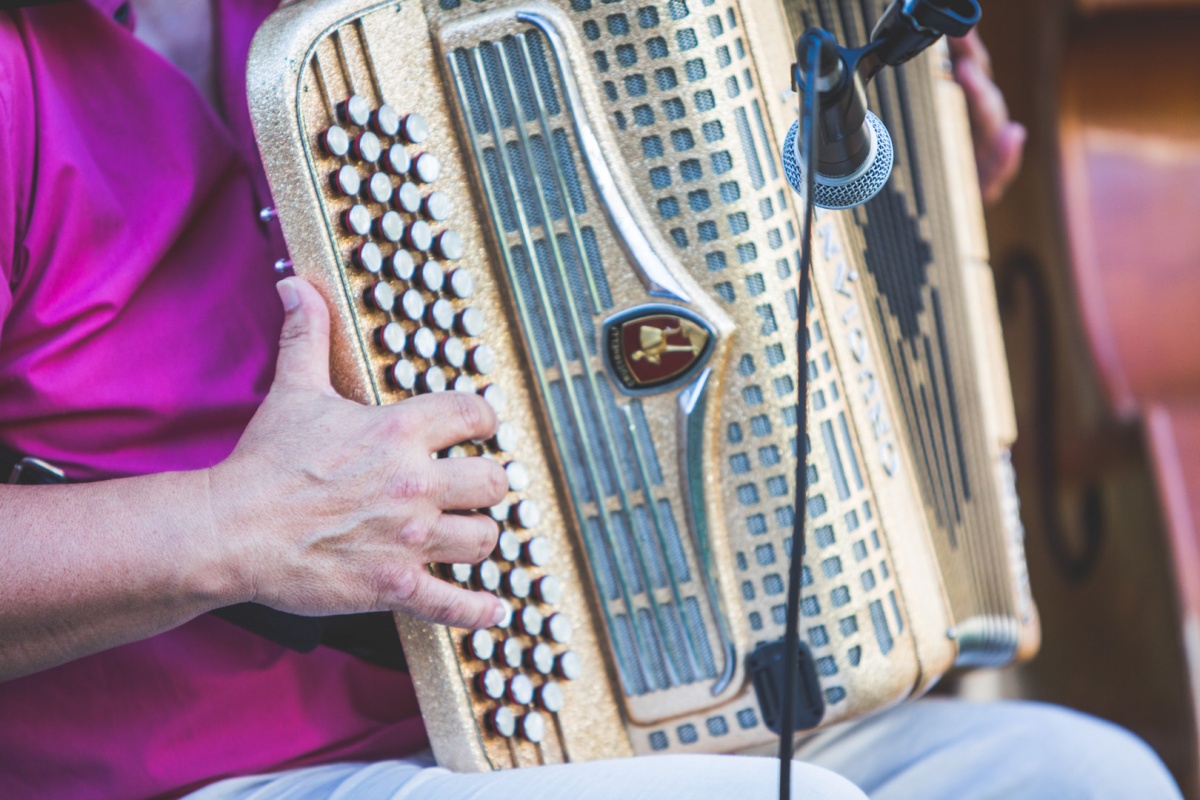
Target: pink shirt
[139,326]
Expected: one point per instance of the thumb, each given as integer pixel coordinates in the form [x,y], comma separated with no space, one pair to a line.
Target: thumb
[303,361]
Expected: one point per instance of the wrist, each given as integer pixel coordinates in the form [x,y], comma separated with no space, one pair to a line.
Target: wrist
[225,576]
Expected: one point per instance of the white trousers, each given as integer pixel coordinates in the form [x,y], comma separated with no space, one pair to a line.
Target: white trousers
[930,750]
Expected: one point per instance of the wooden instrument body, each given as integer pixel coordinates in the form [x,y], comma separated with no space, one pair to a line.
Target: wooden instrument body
[1103,214]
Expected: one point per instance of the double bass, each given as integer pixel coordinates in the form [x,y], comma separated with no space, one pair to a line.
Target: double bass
[1097,271]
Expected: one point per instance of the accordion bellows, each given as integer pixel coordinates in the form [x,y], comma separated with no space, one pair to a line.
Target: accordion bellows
[577,209]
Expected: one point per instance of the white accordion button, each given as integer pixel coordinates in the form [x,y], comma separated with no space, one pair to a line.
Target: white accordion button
[355,110]
[358,220]
[533,726]
[503,721]
[491,683]
[347,180]
[386,121]
[550,697]
[391,337]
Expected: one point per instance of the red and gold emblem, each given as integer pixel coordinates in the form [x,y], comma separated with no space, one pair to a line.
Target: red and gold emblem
[660,346]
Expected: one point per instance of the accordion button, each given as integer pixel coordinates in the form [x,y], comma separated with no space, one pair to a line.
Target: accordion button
[495,398]
[355,110]
[548,589]
[541,658]
[449,246]
[403,265]
[440,315]
[569,667]
[391,226]
[403,375]
[347,180]
[336,141]
[482,359]
[491,683]
[518,583]
[481,645]
[437,206]
[462,283]
[537,551]
[507,619]
[408,197]
[503,721]
[426,168]
[499,512]
[358,220]
[368,147]
[461,573]
[419,236]
[506,437]
[470,321]
[368,256]
[510,651]
[526,514]
[454,354]
[381,296]
[414,129]
[550,697]
[412,305]
[381,187]
[489,575]
[433,380]
[520,690]
[533,727]
[559,628]
[424,343]
[391,337]
[386,121]
[508,546]
[518,476]
[398,161]
[432,277]
[463,383]
[530,620]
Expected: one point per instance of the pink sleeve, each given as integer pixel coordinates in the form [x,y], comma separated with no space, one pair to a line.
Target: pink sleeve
[17,156]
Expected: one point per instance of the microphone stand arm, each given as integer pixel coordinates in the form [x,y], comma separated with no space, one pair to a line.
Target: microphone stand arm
[906,29]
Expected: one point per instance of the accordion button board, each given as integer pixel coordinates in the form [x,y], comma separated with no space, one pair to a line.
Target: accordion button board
[576,210]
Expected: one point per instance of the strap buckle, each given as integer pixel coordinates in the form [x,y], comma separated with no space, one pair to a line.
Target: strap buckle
[30,471]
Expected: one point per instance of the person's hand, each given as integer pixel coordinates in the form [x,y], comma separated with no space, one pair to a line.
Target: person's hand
[332,507]
[999,142]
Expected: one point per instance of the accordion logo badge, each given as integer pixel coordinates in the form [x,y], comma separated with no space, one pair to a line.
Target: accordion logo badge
[654,348]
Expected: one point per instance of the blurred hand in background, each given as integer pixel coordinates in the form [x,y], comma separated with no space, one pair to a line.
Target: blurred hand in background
[999,142]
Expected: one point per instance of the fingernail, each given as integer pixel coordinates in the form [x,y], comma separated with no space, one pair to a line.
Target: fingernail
[288,294]
[498,617]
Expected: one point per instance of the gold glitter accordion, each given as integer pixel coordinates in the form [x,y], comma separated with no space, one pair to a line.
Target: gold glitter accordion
[576,208]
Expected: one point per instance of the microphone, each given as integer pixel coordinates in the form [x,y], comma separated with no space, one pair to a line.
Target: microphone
[855,153]
[868,170]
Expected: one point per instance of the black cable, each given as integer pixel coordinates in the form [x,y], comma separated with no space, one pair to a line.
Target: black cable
[810,49]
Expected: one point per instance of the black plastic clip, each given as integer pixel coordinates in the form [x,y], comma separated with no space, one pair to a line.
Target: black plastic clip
[768,669]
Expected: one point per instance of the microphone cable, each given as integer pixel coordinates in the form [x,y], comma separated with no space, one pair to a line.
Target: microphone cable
[812,45]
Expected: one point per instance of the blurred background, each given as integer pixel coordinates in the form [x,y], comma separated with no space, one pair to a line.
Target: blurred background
[1095,249]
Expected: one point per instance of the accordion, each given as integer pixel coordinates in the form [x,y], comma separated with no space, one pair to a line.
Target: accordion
[576,209]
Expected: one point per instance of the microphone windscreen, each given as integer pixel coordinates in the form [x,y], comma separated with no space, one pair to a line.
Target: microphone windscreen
[854,189]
